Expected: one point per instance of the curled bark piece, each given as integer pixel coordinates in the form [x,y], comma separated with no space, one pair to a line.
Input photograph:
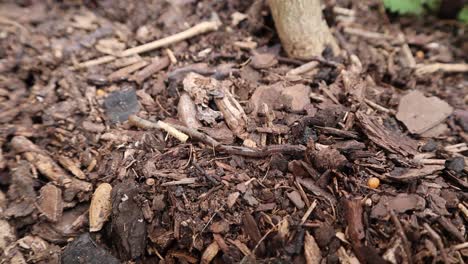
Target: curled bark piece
[301,28]
[100,208]
[46,165]
[187,111]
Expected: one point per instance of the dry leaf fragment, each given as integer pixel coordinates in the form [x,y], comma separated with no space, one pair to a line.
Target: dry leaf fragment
[100,208]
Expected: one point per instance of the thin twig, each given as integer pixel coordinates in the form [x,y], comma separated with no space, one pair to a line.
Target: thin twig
[304,68]
[367,34]
[308,212]
[198,29]
[228,149]
[422,69]
[378,107]
[401,233]
[140,122]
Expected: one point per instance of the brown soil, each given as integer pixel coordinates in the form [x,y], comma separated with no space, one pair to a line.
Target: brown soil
[315,167]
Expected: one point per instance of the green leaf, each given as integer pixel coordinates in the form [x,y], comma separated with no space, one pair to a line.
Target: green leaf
[463,15]
[405,6]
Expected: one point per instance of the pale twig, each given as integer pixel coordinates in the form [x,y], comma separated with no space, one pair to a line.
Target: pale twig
[180,182]
[460,246]
[343,11]
[367,34]
[407,51]
[456,148]
[7,21]
[378,107]
[198,29]
[304,68]
[422,69]
[464,210]
[173,131]
[171,56]
[308,212]
[159,125]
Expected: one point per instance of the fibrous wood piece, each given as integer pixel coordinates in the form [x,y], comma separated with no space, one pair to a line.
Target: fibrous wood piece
[233,113]
[301,28]
[381,136]
[210,252]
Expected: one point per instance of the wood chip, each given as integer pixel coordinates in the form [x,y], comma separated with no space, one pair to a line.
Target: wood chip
[420,113]
[71,166]
[210,252]
[100,208]
[311,250]
[50,202]
[400,204]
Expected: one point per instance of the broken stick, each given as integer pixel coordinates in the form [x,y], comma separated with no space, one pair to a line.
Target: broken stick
[233,150]
[198,29]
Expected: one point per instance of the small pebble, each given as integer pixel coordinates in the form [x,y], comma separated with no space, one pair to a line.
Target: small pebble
[373,183]
[456,164]
[430,146]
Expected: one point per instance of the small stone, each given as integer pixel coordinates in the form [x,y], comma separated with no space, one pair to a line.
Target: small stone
[430,146]
[85,250]
[456,164]
[120,105]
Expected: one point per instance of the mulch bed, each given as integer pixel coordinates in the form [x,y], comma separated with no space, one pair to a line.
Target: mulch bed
[216,147]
